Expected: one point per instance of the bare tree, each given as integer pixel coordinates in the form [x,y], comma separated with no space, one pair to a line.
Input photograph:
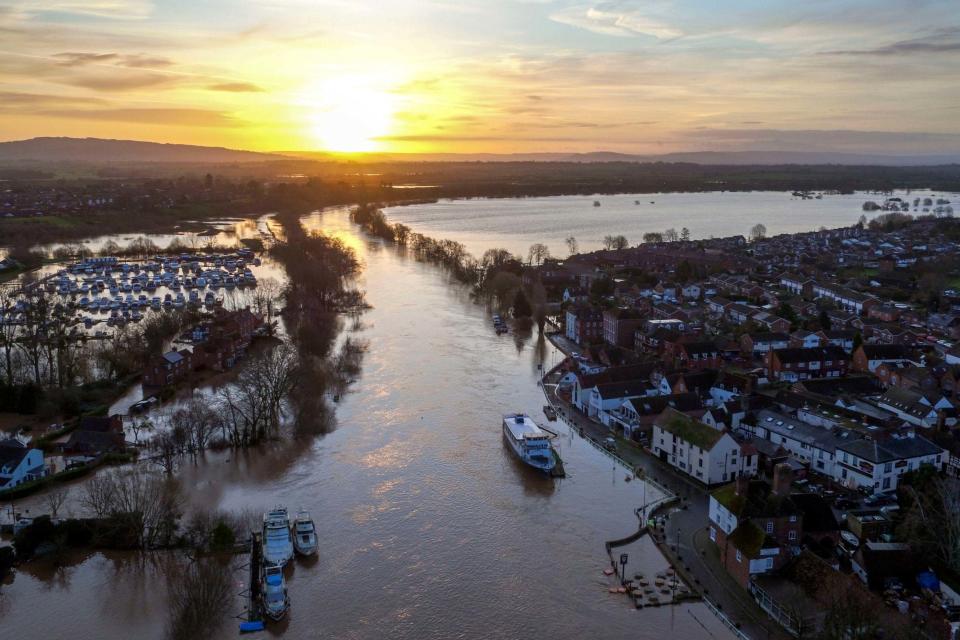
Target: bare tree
[685,234]
[8,331]
[671,235]
[200,594]
[142,507]
[758,232]
[538,253]
[572,245]
[54,500]
[615,243]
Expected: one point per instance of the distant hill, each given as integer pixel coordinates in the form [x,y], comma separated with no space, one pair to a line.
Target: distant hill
[97,150]
[695,157]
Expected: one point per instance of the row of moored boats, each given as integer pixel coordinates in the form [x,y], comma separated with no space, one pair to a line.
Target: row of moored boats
[281,539]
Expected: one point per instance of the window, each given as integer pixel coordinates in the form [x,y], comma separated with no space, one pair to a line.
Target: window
[770,526]
[793,518]
[886,483]
[887,468]
[739,556]
[713,533]
[792,535]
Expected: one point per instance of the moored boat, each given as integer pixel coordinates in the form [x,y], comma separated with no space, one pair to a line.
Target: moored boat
[304,534]
[529,442]
[273,591]
[277,542]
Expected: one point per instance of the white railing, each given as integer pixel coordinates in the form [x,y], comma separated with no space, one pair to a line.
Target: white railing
[725,620]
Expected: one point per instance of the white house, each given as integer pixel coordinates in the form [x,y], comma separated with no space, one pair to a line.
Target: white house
[878,465]
[810,444]
[912,407]
[18,463]
[710,455]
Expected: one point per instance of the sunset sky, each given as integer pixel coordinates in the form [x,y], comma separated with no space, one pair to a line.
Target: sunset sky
[638,76]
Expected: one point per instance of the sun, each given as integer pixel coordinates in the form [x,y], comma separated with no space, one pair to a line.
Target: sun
[350,114]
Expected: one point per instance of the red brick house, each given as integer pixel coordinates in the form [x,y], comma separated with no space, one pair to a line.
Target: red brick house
[791,365]
[755,524]
[168,368]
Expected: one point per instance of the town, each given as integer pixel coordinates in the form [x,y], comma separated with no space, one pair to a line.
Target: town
[805,386]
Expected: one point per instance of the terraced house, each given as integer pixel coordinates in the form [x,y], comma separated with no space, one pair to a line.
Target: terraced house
[710,455]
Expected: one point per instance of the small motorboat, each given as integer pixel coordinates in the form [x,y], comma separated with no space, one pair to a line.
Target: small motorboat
[550,412]
[273,591]
[304,534]
[277,543]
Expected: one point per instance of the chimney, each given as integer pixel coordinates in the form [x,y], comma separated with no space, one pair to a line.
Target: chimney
[741,485]
[782,480]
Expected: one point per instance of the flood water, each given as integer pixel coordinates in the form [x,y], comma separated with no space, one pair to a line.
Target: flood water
[429,528]
[516,223]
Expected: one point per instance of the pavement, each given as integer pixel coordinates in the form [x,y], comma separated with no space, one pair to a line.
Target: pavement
[686,522]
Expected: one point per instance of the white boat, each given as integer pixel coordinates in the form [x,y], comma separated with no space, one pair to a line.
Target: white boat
[304,534]
[529,441]
[273,591]
[277,542]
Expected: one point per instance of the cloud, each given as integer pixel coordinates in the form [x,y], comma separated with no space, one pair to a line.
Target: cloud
[120,81]
[904,47]
[135,61]
[616,19]
[114,9]
[153,116]
[17,102]
[236,87]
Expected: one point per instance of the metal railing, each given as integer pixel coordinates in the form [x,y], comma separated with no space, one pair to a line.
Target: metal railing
[725,620]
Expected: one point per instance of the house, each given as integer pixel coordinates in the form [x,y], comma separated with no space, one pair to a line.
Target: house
[584,324]
[813,445]
[585,382]
[755,524]
[770,322]
[795,364]
[797,284]
[710,455]
[760,343]
[877,466]
[19,463]
[868,357]
[636,416]
[696,355]
[847,299]
[912,407]
[169,368]
[84,446]
[619,326]
[607,397]
[803,339]
[843,338]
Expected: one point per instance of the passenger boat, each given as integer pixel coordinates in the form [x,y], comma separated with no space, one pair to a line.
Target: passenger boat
[529,442]
[304,534]
[277,542]
[273,591]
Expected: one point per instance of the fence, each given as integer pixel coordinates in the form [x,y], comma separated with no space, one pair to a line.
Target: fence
[725,620]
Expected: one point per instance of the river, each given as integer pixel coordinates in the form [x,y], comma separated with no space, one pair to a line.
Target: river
[516,223]
[429,527]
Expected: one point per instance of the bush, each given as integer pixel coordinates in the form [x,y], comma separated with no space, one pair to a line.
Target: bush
[222,537]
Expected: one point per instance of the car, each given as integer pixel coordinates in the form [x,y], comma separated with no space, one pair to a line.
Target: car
[610,444]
